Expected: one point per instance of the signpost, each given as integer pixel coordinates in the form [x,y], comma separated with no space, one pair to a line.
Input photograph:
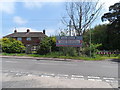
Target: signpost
[69,41]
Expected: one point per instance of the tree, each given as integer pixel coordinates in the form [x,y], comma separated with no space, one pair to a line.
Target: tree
[113,31]
[10,45]
[98,36]
[102,34]
[80,15]
[113,16]
[47,45]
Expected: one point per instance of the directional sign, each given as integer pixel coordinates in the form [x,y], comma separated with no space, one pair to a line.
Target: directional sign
[73,41]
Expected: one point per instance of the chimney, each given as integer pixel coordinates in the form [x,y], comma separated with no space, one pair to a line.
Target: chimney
[44,31]
[28,30]
[15,31]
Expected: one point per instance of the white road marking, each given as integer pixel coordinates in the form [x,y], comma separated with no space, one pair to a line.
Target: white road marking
[29,75]
[77,76]
[44,76]
[108,81]
[93,77]
[51,74]
[62,75]
[108,78]
[18,74]
[80,77]
[98,80]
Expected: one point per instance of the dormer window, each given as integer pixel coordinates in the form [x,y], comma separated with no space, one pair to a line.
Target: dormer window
[28,39]
[19,38]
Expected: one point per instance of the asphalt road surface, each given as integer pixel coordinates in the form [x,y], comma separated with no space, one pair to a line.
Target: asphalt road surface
[94,68]
[87,70]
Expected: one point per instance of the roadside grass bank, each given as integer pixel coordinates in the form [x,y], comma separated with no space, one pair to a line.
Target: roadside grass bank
[56,55]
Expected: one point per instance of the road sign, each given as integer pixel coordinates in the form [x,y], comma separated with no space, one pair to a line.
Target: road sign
[73,41]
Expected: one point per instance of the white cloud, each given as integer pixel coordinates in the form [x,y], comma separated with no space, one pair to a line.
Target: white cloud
[32,5]
[8,7]
[39,0]
[19,20]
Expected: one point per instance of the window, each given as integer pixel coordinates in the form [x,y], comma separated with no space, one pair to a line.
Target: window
[28,39]
[19,38]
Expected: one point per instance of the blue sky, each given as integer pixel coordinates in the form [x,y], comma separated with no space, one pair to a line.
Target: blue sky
[33,15]
[44,16]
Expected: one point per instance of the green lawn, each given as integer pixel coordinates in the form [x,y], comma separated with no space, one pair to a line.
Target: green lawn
[54,55]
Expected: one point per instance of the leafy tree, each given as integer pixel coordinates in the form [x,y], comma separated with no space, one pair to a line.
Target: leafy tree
[113,31]
[98,35]
[10,45]
[102,34]
[47,45]
[113,16]
[93,48]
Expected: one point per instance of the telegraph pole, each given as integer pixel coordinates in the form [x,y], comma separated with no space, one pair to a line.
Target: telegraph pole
[90,34]
[90,40]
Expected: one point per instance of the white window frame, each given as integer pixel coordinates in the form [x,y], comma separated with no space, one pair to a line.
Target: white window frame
[28,38]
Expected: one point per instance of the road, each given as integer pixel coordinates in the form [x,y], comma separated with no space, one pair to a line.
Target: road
[94,68]
[87,70]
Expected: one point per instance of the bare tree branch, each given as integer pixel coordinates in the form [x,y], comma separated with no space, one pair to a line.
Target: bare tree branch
[82,14]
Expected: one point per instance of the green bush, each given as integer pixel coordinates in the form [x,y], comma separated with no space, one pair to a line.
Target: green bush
[10,45]
[92,48]
[68,51]
[47,45]
[118,56]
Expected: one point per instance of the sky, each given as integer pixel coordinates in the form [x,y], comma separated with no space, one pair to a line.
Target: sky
[36,15]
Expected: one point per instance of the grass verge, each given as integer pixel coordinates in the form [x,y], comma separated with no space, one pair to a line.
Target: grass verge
[56,55]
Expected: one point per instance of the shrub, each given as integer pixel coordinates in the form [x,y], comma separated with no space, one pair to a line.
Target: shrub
[47,45]
[68,51]
[93,49]
[10,45]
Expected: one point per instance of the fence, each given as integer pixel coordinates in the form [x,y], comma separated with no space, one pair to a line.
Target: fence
[107,53]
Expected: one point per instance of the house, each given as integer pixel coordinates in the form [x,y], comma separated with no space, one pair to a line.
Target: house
[30,39]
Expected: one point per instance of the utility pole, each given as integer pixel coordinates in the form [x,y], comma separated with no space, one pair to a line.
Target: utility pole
[90,35]
[90,40]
